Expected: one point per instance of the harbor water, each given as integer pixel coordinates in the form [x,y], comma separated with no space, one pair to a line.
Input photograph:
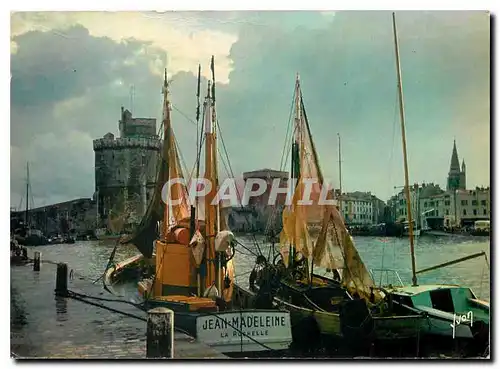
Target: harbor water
[88,259]
[31,316]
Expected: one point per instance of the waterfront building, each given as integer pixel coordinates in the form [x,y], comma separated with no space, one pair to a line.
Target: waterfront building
[358,208]
[418,194]
[458,207]
[455,207]
[258,214]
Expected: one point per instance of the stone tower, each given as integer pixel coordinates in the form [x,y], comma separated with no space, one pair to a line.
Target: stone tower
[125,168]
[456,175]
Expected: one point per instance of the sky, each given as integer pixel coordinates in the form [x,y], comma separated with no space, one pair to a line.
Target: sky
[71,73]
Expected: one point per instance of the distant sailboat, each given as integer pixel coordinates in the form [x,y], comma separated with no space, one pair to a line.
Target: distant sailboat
[28,235]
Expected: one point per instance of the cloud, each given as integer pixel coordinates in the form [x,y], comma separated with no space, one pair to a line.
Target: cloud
[186,44]
[348,77]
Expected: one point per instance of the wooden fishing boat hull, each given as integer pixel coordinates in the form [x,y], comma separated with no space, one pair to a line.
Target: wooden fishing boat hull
[384,328]
[246,332]
[329,324]
[265,332]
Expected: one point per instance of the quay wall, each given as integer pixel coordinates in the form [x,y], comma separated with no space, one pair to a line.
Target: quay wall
[75,216]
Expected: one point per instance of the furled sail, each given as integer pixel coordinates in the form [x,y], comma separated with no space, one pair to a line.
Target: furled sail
[178,208]
[312,224]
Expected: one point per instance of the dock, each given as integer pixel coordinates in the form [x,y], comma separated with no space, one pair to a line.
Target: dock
[46,326]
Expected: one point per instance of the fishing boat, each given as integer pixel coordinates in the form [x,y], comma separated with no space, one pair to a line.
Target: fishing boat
[27,235]
[453,311]
[193,262]
[346,306]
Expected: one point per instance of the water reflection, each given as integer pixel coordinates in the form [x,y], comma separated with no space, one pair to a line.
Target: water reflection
[17,312]
[61,309]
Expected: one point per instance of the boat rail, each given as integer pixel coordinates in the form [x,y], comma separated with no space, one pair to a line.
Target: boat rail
[386,271]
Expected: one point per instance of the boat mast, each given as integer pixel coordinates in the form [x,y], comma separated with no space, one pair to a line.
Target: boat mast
[215,179]
[209,208]
[340,177]
[214,148]
[403,137]
[296,150]
[166,140]
[195,212]
[27,193]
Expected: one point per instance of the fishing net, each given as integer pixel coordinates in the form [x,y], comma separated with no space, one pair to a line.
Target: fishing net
[314,225]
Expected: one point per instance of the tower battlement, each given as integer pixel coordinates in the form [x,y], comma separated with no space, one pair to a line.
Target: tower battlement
[126,143]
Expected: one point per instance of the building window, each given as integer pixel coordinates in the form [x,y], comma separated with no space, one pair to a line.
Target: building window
[474,202]
[447,203]
[474,212]
[425,204]
[447,212]
[483,202]
[465,211]
[464,202]
[484,211]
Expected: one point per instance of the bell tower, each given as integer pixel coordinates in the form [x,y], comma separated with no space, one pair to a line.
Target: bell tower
[456,175]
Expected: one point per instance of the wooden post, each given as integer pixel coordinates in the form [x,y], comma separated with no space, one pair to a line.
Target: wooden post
[62,280]
[37,260]
[160,333]
[25,253]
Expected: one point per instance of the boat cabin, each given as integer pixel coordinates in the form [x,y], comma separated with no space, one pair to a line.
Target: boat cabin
[441,300]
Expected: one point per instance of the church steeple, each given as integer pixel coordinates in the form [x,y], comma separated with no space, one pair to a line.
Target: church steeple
[456,175]
[455,164]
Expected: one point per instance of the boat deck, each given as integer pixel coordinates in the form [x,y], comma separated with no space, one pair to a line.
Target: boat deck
[46,326]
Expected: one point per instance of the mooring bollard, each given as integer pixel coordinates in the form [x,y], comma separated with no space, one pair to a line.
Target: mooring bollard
[160,333]
[37,260]
[25,253]
[62,280]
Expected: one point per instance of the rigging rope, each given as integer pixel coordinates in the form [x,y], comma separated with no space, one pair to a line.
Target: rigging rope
[83,298]
[287,141]
[238,192]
